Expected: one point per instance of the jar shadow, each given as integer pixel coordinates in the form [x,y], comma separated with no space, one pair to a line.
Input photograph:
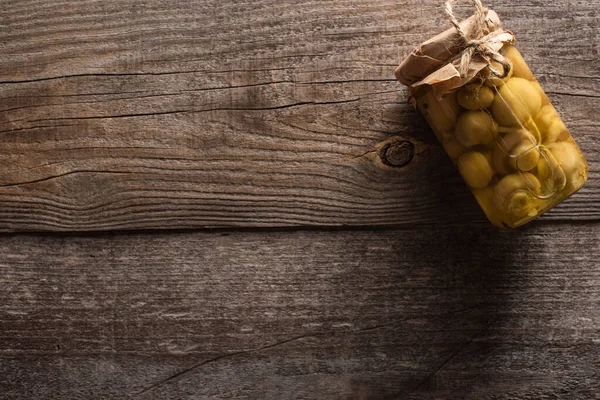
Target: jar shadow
[452,289]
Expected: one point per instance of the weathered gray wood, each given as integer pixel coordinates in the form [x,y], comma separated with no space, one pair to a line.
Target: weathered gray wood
[457,312]
[177,114]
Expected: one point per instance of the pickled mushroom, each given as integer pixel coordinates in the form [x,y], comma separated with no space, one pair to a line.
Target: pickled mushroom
[515,151]
[514,138]
[441,114]
[556,132]
[571,161]
[475,127]
[522,150]
[488,155]
[500,161]
[515,195]
[549,173]
[475,169]
[526,157]
[544,118]
[475,97]
[539,89]
[516,102]
[532,128]
[454,149]
[520,68]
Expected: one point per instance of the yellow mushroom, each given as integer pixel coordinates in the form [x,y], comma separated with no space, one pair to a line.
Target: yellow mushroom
[515,137]
[454,149]
[526,157]
[536,85]
[520,68]
[532,128]
[571,162]
[475,127]
[544,118]
[551,176]
[515,195]
[517,150]
[516,102]
[475,97]
[440,114]
[500,161]
[475,169]
[556,132]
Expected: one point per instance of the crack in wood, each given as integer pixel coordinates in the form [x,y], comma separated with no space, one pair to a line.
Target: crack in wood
[314,334]
[571,94]
[63,175]
[215,359]
[459,349]
[302,103]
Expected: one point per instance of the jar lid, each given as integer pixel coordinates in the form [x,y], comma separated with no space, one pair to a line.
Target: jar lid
[439,51]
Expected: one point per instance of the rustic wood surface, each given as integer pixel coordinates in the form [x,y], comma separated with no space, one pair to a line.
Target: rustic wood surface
[154,114]
[133,115]
[450,313]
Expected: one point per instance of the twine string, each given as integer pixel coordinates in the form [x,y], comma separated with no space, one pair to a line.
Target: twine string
[477,42]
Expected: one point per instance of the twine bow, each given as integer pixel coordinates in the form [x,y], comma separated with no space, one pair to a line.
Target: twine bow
[477,41]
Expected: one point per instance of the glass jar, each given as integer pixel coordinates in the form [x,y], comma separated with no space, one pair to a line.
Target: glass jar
[507,141]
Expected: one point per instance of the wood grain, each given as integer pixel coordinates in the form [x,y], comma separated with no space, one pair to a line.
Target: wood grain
[174,114]
[450,313]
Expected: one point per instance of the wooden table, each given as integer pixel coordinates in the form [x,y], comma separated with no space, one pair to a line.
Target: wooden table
[233,199]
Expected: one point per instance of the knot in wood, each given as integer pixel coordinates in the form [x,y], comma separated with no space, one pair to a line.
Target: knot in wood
[397,153]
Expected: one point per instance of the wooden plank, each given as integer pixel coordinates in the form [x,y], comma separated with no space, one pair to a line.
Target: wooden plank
[455,312]
[169,114]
